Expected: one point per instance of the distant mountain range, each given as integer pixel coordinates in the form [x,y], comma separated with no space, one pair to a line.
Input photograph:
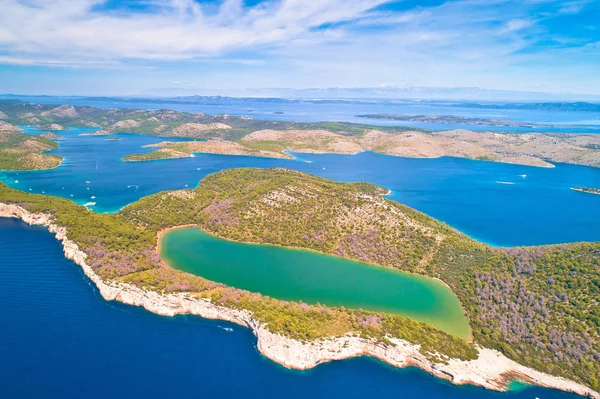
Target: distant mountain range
[414,93]
[563,106]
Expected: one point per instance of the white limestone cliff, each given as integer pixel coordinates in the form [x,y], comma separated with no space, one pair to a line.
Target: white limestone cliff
[490,370]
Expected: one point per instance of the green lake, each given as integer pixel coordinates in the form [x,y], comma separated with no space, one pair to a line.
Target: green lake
[293,274]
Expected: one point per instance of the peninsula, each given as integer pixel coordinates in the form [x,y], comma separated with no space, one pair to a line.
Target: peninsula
[588,190]
[20,151]
[530,320]
[226,134]
[450,119]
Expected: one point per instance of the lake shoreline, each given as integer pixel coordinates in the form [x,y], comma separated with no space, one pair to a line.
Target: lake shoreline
[450,318]
[491,370]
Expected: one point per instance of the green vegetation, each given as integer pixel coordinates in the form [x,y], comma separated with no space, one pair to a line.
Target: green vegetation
[313,277]
[155,155]
[164,122]
[19,151]
[538,305]
[336,137]
[169,149]
[528,303]
[122,248]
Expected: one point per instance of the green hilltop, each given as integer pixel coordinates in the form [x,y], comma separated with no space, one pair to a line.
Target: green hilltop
[20,151]
[538,305]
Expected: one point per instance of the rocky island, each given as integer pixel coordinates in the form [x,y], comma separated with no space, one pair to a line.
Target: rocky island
[170,150]
[588,190]
[226,134]
[530,320]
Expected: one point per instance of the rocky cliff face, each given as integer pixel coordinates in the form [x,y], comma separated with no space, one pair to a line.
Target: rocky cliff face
[490,370]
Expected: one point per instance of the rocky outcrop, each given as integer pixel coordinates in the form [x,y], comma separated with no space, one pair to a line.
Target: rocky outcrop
[7,127]
[50,136]
[191,129]
[51,126]
[63,111]
[490,370]
[126,124]
[89,124]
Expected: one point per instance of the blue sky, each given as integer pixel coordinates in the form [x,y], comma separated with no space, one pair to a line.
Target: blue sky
[104,47]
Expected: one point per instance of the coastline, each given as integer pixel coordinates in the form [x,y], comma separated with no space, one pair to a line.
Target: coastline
[491,370]
[585,191]
[34,170]
[533,162]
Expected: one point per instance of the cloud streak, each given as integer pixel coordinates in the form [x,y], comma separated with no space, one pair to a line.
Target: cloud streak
[501,44]
[177,29]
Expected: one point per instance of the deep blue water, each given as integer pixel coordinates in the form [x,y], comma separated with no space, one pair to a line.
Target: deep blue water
[60,339]
[537,209]
[347,111]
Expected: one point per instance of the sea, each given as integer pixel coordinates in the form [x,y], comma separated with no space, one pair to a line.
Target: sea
[61,339]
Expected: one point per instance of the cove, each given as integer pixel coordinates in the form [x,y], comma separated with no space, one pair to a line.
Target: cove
[311,277]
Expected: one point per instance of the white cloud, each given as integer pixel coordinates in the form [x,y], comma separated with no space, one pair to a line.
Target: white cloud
[573,7]
[485,43]
[516,25]
[180,29]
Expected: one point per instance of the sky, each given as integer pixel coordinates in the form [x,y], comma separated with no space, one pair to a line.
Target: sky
[110,47]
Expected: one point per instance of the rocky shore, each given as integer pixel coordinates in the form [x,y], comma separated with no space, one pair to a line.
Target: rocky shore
[490,370]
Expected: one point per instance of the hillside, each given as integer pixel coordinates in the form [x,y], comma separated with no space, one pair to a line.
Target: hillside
[538,305]
[245,136]
[120,247]
[19,151]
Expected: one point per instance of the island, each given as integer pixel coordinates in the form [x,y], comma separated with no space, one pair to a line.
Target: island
[20,151]
[529,319]
[169,150]
[451,119]
[578,106]
[227,134]
[588,190]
